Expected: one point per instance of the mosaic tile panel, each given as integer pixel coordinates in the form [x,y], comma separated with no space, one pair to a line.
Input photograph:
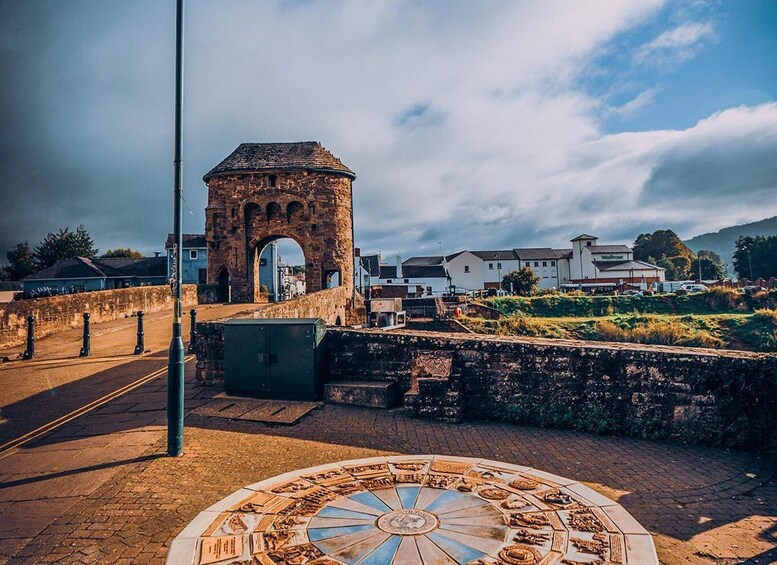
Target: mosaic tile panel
[431,510]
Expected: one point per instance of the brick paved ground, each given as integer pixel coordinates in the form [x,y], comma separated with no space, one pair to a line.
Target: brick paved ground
[100,490]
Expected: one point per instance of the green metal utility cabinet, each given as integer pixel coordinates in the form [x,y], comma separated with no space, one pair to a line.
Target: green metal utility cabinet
[275,358]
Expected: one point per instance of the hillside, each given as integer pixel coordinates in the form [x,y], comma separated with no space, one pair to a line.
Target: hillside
[723,241]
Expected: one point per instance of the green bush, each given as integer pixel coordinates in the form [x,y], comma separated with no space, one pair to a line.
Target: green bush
[576,304]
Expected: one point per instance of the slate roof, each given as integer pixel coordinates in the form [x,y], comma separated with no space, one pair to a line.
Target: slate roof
[626,265]
[127,267]
[423,271]
[190,240]
[388,271]
[610,249]
[306,155]
[423,261]
[109,267]
[497,255]
[74,268]
[532,253]
[371,263]
[563,253]
[584,236]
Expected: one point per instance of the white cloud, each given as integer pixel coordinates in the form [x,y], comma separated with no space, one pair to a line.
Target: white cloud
[676,45]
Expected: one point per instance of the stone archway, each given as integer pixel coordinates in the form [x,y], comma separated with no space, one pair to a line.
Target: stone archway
[268,191]
[254,251]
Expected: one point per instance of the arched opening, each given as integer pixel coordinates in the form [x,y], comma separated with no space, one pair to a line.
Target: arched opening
[224,286]
[294,211]
[338,321]
[279,269]
[273,211]
[331,278]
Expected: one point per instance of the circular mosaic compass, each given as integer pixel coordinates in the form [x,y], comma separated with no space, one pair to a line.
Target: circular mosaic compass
[437,510]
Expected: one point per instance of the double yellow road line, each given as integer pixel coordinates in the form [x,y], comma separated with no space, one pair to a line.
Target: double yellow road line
[6,448]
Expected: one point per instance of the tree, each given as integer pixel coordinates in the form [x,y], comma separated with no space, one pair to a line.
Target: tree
[678,268]
[712,267]
[64,245]
[21,262]
[757,254]
[660,243]
[523,281]
[123,252]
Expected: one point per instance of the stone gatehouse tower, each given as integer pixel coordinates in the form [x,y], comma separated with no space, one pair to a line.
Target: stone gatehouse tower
[267,191]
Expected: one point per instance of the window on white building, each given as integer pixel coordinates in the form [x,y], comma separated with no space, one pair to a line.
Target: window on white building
[544,263]
[466,268]
[192,254]
[536,263]
[499,265]
[552,263]
[491,266]
[407,280]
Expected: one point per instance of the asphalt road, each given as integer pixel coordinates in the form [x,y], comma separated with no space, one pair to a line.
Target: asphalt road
[58,381]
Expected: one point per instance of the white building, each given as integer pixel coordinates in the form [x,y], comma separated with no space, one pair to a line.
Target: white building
[416,277]
[587,265]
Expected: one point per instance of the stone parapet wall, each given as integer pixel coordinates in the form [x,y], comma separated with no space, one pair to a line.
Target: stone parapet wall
[702,396]
[56,313]
[335,306]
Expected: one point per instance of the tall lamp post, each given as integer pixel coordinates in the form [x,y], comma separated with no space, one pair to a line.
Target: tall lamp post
[176,354]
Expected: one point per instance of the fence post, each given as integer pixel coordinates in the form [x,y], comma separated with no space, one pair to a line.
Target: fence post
[192,330]
[86,348]
[140,346]
[30,351]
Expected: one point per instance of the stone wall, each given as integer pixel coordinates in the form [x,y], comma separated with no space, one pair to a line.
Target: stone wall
[702,396]
[335,306]
[56,313]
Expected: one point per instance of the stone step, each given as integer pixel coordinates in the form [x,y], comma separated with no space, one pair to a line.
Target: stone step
[372,394]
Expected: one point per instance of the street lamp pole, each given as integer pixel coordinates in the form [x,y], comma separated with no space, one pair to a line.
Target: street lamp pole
[175,364]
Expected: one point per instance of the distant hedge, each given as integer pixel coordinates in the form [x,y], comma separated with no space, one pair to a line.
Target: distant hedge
[561,305]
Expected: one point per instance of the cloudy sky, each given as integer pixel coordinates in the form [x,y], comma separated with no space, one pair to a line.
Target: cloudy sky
[475,124]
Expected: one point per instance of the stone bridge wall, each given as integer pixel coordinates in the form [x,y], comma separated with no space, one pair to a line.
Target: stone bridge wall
[335,306]
[701,396]
[57,313]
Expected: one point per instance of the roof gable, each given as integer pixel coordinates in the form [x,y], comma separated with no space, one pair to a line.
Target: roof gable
[190,241]
[73,268]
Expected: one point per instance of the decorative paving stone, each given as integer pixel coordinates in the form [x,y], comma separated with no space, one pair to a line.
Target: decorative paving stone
[427,509]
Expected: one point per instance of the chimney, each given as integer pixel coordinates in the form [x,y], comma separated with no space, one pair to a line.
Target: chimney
[399,266]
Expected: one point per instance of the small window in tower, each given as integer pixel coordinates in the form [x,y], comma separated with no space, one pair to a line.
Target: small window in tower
[588,243]
[312,207]
[192,254]
[466,268]
[272,180]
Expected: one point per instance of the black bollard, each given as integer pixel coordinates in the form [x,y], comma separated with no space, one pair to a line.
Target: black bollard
[86,348]
[30,351]
[140,347]
[192,330]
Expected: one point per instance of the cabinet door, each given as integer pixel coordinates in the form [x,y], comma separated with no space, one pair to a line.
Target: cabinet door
[247,359]
[292,373]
